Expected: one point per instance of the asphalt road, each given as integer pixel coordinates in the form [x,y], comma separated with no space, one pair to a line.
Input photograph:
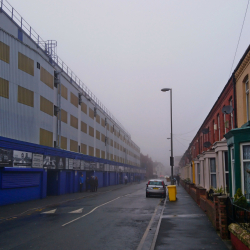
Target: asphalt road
[119,219]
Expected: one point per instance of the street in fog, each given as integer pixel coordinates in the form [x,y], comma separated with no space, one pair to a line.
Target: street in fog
[111,220]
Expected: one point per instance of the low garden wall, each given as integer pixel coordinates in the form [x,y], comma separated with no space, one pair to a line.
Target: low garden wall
[240,238]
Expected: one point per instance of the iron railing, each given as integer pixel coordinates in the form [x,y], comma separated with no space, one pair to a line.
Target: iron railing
[237,214]
[6,7]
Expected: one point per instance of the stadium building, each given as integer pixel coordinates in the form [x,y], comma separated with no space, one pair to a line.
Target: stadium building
[52,128]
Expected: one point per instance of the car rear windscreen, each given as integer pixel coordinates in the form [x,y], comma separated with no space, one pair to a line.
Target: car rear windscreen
[155,183]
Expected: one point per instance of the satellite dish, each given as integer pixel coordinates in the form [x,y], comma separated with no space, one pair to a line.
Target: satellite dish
[207,144]
[205,131]
[227,109]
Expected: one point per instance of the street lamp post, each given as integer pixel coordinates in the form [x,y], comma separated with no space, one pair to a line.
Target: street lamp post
[171,157]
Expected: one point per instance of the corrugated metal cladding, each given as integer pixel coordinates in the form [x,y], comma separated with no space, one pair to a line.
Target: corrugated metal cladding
[22,108]
[28,96]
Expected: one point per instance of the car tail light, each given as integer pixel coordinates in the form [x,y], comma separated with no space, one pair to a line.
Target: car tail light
[163,183]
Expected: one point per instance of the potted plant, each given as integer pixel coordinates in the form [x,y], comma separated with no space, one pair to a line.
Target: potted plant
[240,200]
[219,191]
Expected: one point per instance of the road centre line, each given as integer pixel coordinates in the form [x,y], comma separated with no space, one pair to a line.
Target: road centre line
[96,208]
[90,211]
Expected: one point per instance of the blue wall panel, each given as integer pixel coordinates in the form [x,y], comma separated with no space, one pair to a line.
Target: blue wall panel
[23,184]
[53,182]
[62,180]
[19,188]
[100,178]
[112,178]
[44,184]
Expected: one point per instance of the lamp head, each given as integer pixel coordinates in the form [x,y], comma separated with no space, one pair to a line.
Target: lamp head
[165,89]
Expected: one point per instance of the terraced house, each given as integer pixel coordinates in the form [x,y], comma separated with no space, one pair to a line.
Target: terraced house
[219,154]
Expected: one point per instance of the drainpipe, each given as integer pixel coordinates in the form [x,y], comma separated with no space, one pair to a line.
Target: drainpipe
[58,117]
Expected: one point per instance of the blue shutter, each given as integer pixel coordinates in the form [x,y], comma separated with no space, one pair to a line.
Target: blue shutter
[17,180]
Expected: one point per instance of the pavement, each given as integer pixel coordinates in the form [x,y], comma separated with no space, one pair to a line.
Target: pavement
[184,225]
[24,208]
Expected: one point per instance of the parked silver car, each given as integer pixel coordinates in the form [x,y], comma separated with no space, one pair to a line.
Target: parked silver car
[156,187]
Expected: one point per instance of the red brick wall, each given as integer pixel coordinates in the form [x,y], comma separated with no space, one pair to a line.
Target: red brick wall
[211,119]
[208,207]
[193,194]
[223,226]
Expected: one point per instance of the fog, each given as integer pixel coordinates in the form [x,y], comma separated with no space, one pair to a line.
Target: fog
[127,51]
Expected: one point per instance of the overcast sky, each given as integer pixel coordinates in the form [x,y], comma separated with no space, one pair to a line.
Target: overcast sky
[126,51]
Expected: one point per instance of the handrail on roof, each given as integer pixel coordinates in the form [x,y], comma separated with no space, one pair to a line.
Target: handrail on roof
[6,7]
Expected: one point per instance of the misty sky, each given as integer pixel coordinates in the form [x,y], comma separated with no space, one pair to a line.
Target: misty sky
[126,51]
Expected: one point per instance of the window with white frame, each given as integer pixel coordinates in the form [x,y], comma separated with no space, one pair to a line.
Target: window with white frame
[213,173]
[233,171]
[247,96]
[226,172]
[198,174]
[246,170]
[232,122]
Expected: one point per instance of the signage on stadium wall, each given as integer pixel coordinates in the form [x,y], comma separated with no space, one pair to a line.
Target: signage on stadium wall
[92,166]
[101,166]
[82,165]
[22,159]
[107,167]
[37,161]
[60,163]
[86,165]
[49,162]
[6,157]
[74,164]
[121,169]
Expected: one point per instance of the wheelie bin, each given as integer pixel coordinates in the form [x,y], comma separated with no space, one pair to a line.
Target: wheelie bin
[172,192]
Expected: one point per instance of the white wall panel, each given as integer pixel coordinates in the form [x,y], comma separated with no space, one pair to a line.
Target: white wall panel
[21,122]
[6,24]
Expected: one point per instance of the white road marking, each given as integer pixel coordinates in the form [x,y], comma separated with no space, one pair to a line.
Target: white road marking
[158,227]
[90,211]
[50,212]
[78,211]
[147,230]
